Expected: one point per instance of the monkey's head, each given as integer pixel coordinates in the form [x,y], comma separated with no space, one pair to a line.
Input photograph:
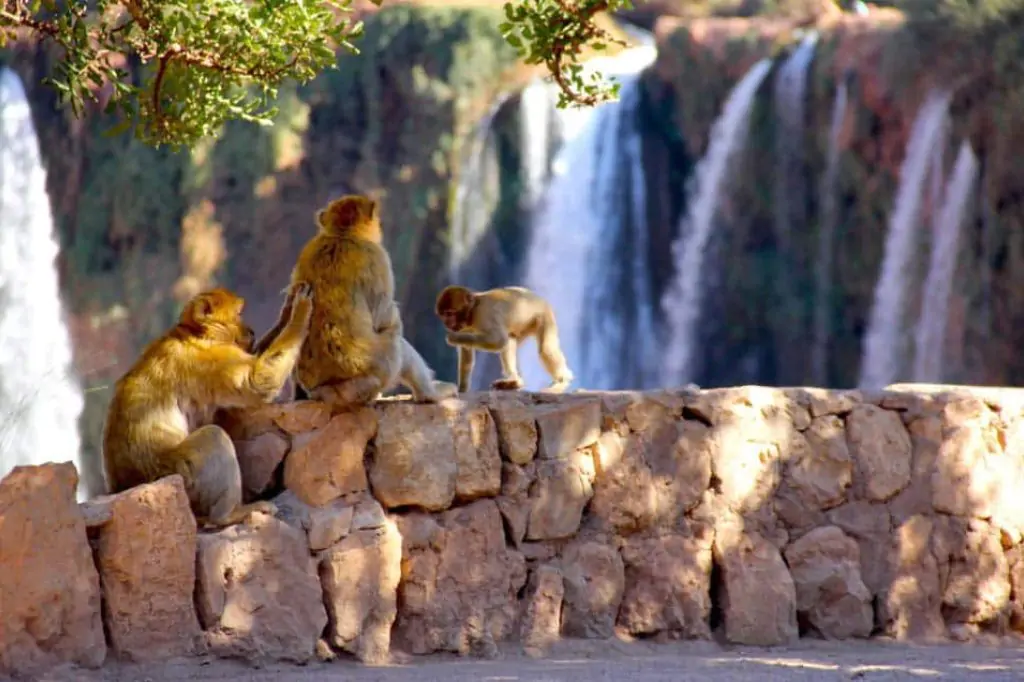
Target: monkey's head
[455,307]
[354,215]
[217,315]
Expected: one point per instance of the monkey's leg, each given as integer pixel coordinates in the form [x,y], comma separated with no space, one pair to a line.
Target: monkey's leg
[552,358]
[213,480]
[467,357]
[510,380]
[419,378]
[349,392]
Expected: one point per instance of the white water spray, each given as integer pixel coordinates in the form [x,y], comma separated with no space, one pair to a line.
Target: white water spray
[883,343]
[40,399]
[682,299]
[826,240]
[572,222]
[931,326]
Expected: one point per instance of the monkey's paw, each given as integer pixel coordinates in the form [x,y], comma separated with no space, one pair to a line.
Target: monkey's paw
[445,389]
[513,384]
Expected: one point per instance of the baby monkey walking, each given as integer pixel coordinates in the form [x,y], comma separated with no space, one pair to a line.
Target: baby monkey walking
[497,321]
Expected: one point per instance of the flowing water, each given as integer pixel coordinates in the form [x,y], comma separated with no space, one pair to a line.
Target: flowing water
[884,340]
[682,299]
[931,327]
[826,240]
[588,237]
[40,397]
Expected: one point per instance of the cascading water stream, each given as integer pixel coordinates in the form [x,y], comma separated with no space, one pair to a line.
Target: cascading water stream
[571,260]
[790,94]
[682,299]
[826,240]
[884,342]
[790,202]
[931,327]
[40,398]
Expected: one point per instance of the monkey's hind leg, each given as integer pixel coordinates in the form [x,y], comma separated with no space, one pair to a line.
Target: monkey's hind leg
[213,480]
[415,375]
[348,392]
[552,358]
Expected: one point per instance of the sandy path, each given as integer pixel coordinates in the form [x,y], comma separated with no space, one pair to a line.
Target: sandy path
[616,661]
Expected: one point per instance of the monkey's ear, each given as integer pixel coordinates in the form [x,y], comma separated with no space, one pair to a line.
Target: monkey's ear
[202,308]
[374,209]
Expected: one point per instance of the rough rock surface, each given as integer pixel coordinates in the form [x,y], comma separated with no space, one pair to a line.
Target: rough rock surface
[258,593]
[898,512]
[667,585]
[541,619]
[414,463]
[825,565]
[757,591]
[459,581]
[49,588]
[595,580]
[259,459]
[328,463]
[360,577]
[146,555]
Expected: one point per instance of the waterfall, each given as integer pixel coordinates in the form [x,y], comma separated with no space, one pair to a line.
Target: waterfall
[931,327]
[790,103]
[587,252]
[790,202]
[40,398]
[826,239]
[682,299]
[883,343]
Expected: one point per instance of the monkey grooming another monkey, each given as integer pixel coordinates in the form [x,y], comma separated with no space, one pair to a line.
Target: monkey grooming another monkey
[158,420]
[497,321]
[355,350]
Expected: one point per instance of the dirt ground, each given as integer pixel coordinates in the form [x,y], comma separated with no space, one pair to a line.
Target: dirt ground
[618,661]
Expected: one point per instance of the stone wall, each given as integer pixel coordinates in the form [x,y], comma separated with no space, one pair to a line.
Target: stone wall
[753,515]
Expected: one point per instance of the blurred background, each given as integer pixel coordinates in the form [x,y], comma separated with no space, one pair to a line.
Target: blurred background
[787,192]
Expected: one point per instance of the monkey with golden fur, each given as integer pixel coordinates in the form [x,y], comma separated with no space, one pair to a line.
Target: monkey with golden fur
[158,420]
[355,350]
[497,321]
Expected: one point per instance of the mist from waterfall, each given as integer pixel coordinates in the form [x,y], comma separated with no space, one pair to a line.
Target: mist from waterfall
[682,299]
[884,339]
[40,397]
[589,222]
[931,326]
[826,241]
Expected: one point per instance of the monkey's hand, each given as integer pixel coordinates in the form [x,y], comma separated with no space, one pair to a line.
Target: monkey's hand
[302,304]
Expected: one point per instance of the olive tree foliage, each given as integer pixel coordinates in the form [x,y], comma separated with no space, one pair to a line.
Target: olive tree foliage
[205,62]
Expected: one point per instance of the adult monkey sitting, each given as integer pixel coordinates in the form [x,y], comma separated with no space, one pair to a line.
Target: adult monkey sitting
[356,349]
[158,422]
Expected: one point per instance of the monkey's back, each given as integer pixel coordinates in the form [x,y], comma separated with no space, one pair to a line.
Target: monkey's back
[349,277]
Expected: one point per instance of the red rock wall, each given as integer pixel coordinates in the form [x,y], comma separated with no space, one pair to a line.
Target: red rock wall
[756,514]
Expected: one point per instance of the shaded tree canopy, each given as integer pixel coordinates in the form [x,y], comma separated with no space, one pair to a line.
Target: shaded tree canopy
[205,62]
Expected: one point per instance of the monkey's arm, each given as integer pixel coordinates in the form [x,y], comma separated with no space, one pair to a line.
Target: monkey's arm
[282,320]
[491,341]
[238,379]
[467,357]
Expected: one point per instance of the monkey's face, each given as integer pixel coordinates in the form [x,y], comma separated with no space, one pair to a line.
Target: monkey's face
[217,314]
[455,308]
